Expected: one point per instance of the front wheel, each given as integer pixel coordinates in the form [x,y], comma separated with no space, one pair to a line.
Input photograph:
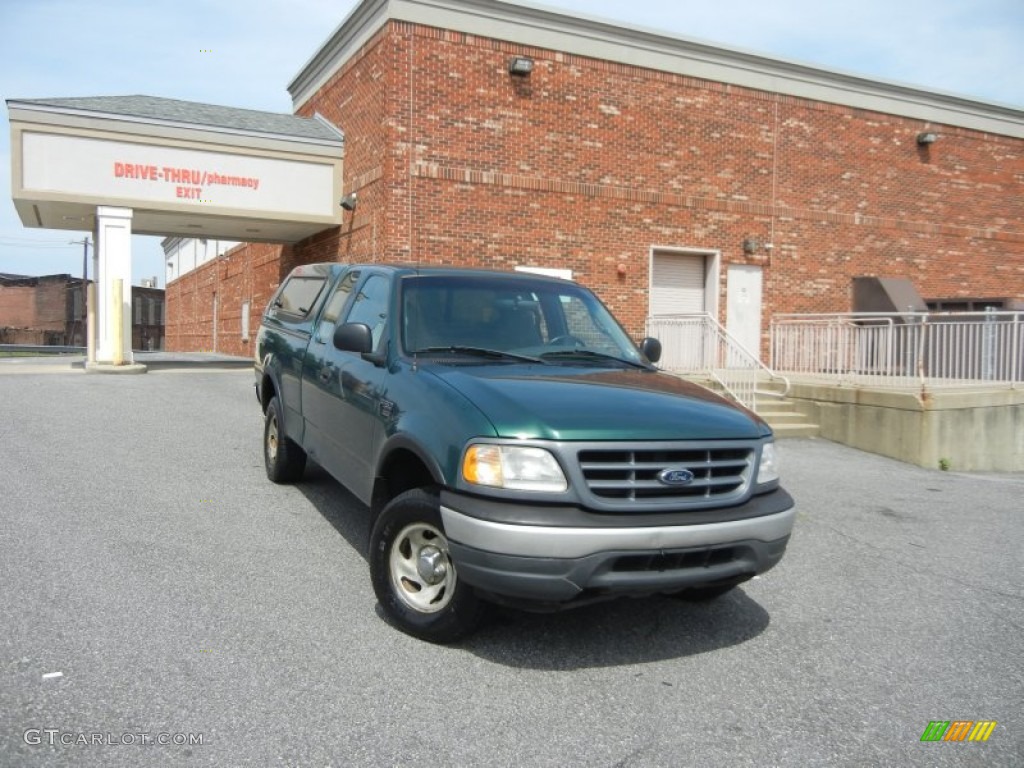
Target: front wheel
[413,575]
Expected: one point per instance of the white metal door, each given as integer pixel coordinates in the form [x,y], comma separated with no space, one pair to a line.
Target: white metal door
[677,284]
[743,306]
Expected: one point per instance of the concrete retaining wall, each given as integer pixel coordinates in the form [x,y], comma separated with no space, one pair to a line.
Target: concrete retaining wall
[980,431]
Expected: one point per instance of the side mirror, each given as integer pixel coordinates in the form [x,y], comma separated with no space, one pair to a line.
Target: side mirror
[651,349]
[353,337]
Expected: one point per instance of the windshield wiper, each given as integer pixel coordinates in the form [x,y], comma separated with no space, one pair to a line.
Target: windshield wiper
[496,354]
[589,355]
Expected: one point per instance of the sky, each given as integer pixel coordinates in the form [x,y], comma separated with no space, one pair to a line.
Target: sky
[63,48]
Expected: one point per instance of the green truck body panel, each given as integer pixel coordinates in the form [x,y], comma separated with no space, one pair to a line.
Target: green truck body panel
[582,404]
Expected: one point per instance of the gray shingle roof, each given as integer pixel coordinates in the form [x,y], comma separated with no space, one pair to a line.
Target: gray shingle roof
[194,113]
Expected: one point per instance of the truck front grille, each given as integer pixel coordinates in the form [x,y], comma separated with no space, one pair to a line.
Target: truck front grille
[720,473]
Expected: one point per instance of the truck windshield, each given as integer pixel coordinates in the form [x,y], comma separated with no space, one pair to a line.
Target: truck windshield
[525,316]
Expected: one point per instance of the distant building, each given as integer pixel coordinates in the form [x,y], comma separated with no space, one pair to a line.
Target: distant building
[183,254]
[50,310]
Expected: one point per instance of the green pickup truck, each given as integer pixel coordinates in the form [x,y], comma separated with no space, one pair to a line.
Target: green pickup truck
[512,443]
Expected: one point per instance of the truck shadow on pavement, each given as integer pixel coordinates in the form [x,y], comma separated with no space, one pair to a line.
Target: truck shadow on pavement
[614,633]
[349,516]
[617,632]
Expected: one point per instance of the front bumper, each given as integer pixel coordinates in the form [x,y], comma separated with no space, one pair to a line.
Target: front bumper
[558,564]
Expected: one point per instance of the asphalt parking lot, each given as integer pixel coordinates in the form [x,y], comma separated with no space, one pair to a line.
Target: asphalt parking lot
[182,597]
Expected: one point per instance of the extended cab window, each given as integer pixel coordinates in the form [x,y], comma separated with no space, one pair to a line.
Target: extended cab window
[371,306]
[298,295]
[334,307]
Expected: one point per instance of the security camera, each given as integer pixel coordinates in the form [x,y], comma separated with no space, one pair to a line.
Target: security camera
[768,246]
[348,202]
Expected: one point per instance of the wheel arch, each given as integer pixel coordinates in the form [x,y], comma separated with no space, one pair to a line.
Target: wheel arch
[268,389]
[403,465]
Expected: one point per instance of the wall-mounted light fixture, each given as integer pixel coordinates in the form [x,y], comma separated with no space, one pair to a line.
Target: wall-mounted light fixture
[749,245]
[925,138]
[520,66]
[348,202]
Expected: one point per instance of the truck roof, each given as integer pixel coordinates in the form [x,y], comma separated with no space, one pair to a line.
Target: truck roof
[401,270]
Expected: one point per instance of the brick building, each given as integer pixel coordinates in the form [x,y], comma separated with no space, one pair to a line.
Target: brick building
[667,175]
[49,310]
[41,310]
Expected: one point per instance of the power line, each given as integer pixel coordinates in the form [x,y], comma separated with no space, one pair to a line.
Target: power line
[25,247]
[32,240]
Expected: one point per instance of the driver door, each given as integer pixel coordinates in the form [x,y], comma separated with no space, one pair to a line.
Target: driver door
[353,386]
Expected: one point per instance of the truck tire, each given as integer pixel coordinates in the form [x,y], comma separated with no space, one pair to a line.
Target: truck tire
[284,460]
[413,576]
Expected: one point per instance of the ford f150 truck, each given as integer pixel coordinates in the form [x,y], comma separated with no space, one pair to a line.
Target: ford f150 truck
[512,443]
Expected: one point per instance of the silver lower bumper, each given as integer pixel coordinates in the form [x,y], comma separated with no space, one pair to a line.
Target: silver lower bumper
[554,542]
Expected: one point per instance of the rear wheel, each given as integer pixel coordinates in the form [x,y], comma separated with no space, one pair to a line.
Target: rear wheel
[413,575]
[284,460]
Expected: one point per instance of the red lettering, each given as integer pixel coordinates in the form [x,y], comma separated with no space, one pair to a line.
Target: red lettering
[183,175]
[136,171]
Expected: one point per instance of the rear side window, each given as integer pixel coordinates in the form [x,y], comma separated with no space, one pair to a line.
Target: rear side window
[298,295]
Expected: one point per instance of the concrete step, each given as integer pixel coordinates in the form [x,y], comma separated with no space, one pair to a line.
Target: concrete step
[774,417]
[785,419]
[780,412]
[783,431]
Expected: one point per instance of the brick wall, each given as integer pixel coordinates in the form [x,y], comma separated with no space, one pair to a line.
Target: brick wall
[588,165]
[41,303]
[51,311]
[17,306]
[248,273]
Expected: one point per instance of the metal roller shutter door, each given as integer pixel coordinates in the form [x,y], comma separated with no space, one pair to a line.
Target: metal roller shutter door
[677,284]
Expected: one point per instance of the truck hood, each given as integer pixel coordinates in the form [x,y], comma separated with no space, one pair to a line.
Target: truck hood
[583,403]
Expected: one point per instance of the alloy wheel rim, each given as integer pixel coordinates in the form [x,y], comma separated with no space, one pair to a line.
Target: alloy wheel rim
[272,439]
[422,574]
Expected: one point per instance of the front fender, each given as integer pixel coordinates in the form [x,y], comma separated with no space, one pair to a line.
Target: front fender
[433,420]
[405,442]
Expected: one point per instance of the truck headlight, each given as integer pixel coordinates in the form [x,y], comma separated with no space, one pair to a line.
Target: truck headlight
[768,469]
[514,467]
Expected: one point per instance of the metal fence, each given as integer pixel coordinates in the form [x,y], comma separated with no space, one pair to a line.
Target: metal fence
[945,349]
[697,344]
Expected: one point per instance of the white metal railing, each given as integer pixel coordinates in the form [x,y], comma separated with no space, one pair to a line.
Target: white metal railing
[698,344]
[927,350]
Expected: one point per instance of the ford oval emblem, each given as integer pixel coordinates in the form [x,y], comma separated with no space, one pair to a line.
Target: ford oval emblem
[675,476]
